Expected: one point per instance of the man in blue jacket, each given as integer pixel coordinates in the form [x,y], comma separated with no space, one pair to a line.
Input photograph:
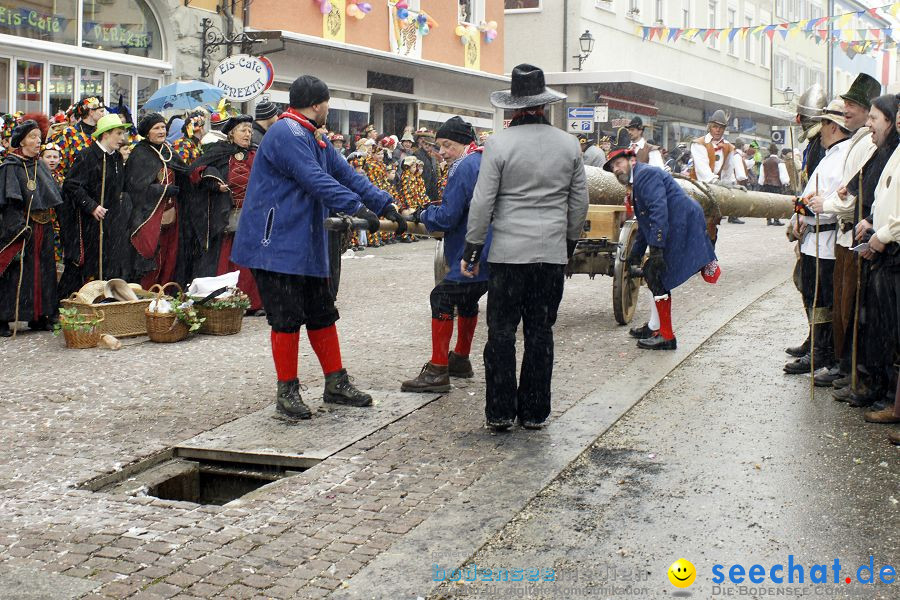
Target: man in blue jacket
[456,141]
[674,227]
[298,179]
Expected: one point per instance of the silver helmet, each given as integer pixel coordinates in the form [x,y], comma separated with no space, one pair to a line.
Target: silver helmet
[812,102]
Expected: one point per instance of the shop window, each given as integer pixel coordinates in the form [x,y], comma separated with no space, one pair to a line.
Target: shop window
[124,26]
[92,83]
[522,5]
[146,87]
[29,86]
[4,86]
[471,11]
[120,86]
[62,88]
[46,20]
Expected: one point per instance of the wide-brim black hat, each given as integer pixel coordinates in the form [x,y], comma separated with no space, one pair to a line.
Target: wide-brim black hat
[235,121]
[863,90]
[621,147]
[636,123]
[527,88]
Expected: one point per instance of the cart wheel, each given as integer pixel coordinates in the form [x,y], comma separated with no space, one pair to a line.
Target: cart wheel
[625,287]
[440,263]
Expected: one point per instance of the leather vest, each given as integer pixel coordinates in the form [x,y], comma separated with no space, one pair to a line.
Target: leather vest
[727,149]
[770,171]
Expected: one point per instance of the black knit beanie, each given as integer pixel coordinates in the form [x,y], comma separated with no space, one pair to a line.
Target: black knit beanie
[457,130]
[307,91]
[148,121]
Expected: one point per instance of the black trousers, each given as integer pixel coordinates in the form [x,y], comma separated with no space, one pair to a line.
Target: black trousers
[292,301]
[824,302]
[529,293]
[882,331]
[448,296]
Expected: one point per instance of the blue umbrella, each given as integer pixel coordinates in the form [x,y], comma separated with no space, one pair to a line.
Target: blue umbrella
[185,95]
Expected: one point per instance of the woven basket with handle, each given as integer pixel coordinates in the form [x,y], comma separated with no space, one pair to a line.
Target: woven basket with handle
[165,328]
[85,339]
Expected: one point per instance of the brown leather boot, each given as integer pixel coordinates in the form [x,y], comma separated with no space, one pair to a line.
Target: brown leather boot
[432,378]
[894,437]
[460,366]
[885,415]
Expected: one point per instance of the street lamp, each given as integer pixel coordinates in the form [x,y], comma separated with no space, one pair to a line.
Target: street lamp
[586,43]
[788,93]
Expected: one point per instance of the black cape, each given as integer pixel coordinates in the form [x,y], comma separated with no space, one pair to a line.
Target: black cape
[83,191]
[19,247]
[146,193]
[210,208]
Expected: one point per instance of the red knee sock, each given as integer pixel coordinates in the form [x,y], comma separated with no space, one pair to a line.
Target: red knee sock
[664,307]
[284,352]
[465,331]
[325,344]
[441,332]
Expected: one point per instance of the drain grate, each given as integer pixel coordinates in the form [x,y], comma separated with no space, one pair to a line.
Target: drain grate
[203,477]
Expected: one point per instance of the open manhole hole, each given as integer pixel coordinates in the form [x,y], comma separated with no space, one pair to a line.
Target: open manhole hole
[199,476]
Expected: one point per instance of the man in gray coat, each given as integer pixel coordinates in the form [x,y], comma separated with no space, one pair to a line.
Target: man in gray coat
[591,153]
[532,190]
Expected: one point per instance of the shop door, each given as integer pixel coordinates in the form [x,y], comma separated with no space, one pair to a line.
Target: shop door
[395,118]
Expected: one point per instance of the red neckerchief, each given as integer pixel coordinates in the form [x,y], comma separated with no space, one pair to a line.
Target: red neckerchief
[522,112]
[473,147]
[292,114]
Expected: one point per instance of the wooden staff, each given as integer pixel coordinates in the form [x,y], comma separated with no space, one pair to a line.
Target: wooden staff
[812,326]
[102,196]
[858,259]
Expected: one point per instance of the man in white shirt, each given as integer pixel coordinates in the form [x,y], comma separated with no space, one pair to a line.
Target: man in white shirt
[715,160]
[818,235]
[643,152]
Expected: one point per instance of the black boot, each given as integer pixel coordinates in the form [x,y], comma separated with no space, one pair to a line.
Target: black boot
[460,366]
[777,222]
[340,390]
[735,220]
[642,333]
[289,402]
[803,365]
[825,376]
[500,424]
[432,378]
[4,330]
[657,342]
[799,351]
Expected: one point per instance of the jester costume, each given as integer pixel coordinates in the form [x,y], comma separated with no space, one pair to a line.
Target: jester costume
[74,139]
[410,196]
[443,174]
[187,149]
[378,175]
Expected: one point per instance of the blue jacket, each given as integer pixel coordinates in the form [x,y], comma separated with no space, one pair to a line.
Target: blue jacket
[293,188]
[669,219]
[451,216]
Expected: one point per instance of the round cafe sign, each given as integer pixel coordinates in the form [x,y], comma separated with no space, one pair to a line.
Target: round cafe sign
[242,77]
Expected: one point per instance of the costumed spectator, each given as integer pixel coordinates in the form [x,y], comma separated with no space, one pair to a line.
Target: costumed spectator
[644,152]
[156,182]
[455,294]
[297,180]
[716,161]
[217,120]
[859,161]
[265,116]
[337,140]
[50,155]
[817,237]
[8,123]
[773,177]
[591,153]
[410,190]
[377,173]
[219,179]
[530,173]
[94,217]
[405,148]
[75,138]
[809,112]
[28,194]
[187,146]
[673,226]
[386,149]
[424,152]
[174,128]
[370,133]
[884,245]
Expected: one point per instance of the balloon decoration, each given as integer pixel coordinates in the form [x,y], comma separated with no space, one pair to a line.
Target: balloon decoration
[465,33]
[355,8]
[424,22]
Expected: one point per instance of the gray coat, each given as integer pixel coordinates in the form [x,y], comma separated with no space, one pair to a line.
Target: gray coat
[532,188]
[594,156]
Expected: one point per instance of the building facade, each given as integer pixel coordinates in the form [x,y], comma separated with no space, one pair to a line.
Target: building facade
[383,69]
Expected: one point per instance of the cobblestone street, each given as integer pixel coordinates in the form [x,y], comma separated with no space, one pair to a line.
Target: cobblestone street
[368,520]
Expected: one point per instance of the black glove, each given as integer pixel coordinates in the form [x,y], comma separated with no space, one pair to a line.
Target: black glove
[371,219]
[635,258]
[570,248]
[654,269]
[416,216]
[472,254]
[391,214]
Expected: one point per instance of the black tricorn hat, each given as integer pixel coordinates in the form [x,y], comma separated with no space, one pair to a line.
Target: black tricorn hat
[621,147]
[863,90]
[636,123]
[527,88]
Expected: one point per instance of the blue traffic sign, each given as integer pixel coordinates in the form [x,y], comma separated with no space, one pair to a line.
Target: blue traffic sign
[581,112]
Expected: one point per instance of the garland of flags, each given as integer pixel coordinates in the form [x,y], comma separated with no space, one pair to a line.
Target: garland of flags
[822,30]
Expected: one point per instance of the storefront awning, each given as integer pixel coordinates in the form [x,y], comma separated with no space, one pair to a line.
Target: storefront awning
[642,87]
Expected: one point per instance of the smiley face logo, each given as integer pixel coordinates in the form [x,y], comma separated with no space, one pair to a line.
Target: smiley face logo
[682,573]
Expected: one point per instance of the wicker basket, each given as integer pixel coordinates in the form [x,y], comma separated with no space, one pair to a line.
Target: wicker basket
[164,328]
[222,321]
[123,319]
[84,339]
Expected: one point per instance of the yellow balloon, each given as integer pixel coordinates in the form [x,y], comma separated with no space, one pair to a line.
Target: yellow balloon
[460,30]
